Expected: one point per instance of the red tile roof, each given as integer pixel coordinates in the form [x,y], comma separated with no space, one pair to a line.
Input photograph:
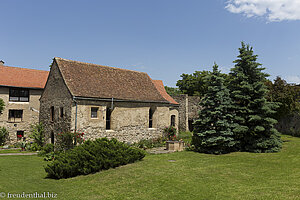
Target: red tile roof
[22,77]
[96,81]
[161,88]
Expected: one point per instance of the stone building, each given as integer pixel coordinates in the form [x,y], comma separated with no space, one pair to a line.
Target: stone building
[104,101]
[20,89]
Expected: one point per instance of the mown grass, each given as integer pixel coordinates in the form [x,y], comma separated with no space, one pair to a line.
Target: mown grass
[4,151]
[180,175]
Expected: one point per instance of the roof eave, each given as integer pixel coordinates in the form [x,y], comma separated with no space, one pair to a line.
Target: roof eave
[118,100]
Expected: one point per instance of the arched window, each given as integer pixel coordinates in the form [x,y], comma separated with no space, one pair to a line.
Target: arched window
[150,118]
[108,116]
[173,120]
[52,137]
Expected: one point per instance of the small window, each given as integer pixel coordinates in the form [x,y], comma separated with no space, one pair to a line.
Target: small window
[52,113]
[20,135]
[61,112]
[94,112]
[108,116]
[150,118]
[15,115]
[172,120]
[18,94]
[52,137]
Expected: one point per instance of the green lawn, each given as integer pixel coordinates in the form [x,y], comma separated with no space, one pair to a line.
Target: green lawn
[181,175]
[14,151]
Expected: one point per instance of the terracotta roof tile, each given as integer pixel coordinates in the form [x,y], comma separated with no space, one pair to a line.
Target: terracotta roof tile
[22,77]
[161,88]
[96,81]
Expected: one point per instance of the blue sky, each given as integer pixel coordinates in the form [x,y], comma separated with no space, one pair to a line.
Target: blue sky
[164,38]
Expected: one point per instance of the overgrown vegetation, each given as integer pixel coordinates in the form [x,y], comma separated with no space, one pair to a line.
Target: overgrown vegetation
[287,97]
[91,157]
[3,135]
[2,105]
[38,136]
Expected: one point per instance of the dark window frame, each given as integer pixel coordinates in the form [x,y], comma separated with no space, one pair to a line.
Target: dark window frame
[173,120]
[108,119]
[52,113]
[19,95]
[151,118]
[14,114]
[20,133]
[61,112]
[94,112]
[52,138]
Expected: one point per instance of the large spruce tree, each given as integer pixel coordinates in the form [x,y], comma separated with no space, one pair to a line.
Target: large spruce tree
[256,131]
[213,130]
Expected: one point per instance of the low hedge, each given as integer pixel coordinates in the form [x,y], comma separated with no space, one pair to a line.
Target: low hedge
[91,157]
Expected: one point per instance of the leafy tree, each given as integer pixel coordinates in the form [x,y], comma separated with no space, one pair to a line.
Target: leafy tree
[213,129]
[193,84]
[172,91]
[284,94]
[196,84]
[256,131]
[2,105]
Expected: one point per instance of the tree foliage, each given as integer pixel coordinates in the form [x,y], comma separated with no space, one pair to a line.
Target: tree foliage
[3,135]
[196,84]
[213,130]
[193,84]
[2,106]
[173,91]
[256,131]
[285,95]
[37,134]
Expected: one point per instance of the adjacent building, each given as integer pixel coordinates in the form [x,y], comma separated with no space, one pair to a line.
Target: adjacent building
[104,101]
[20,89]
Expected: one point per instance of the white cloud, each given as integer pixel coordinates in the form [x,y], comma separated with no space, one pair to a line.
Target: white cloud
[273,10]
[292,79]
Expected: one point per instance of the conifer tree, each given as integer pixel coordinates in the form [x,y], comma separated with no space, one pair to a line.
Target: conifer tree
[213,129]
[253,112]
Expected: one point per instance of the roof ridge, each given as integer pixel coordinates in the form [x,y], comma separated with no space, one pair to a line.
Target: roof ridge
[23,68]
[97,65]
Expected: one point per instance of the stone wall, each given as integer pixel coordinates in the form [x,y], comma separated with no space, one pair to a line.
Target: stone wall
[129,120]
[30,113]
[55,94]
[188,110]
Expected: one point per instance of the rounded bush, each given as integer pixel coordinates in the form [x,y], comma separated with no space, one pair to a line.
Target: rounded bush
[91,157]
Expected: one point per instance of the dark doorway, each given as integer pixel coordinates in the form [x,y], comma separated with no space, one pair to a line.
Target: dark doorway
[191,125]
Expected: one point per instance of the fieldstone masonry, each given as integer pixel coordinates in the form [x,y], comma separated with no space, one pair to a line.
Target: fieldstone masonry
[188,110]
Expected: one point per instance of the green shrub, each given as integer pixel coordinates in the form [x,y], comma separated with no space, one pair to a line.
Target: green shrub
[34,147]
[3,135]
[37,134]
[294,132]
[48,148]
[91,157]
[68,140]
